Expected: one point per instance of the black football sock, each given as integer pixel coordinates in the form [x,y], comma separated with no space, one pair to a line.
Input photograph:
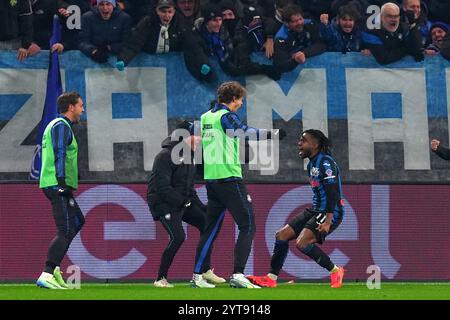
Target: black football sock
[56,251]
[320,257]
[280,251]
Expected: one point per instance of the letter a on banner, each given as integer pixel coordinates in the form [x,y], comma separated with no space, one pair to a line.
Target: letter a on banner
[54,89]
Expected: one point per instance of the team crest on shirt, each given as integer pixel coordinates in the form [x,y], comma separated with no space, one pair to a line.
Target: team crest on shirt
[329,174]
[314,172]
[249,199]
[71,202]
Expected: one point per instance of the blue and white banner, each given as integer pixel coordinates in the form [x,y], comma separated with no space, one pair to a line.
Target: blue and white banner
[380,119]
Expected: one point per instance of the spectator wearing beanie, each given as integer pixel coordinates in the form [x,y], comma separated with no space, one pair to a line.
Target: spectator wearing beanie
[207,39]
[104,29]
[230,17]
[438,31]
[210,39]
[160,32]
[247,30]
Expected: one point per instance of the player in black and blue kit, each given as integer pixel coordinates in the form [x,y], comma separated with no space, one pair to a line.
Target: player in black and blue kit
[313,224]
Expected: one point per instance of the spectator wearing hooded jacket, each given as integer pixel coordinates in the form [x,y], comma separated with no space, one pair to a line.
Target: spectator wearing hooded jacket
[273,23]
[16,27]
[296,41]
[104,29]
[259,29]
[415,12]
[230,17]
[342,34]
[394,39]
[209,39]
[160,32]
[247,32]
[189,11]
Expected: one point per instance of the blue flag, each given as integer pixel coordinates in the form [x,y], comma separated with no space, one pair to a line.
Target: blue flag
[54,90]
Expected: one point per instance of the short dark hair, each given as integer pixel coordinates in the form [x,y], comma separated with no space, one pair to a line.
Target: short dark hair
[291,10]
[350,11]
[230,90]
[321,138]
[66,99]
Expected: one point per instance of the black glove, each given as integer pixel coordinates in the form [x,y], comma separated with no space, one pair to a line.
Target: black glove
[63,190]
[276,133]
[419,56]
[410,16]
[99,56]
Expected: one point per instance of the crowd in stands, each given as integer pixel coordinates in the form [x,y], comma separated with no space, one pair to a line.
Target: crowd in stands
[288,32]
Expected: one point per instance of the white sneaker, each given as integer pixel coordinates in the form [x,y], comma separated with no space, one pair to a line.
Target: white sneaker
[238,280]
[211,277]
[198,282]
[48,281]
[163,283]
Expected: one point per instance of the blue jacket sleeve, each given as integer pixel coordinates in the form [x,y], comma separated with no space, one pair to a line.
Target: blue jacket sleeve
[329,35]
[330,180]
[231,122]
[61,138]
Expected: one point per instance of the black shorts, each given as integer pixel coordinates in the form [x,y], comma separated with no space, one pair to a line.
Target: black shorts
[308,219]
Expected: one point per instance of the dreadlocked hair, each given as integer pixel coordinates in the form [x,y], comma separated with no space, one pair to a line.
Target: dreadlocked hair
[322,140]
